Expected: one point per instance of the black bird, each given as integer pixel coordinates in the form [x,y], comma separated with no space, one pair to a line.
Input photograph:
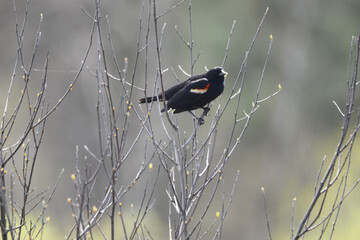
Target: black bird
[194,93]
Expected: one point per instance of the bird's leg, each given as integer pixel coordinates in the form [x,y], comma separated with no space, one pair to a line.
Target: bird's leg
[206,111]
[200,119]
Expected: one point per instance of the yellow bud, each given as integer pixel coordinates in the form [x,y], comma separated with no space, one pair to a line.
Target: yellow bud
[120,204]
[48,219]
[94,208]
[69,200]
[262,189]
[271,37]
[150,166]
[131,205]
[217,214]
[279,86]
[73,177]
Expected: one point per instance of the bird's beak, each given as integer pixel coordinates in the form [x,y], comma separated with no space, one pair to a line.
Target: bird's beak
[223,73]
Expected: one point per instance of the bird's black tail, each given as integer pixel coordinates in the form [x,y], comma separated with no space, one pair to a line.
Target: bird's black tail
[149,99]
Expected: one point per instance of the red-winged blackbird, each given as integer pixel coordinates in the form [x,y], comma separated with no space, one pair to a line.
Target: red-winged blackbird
[194,93]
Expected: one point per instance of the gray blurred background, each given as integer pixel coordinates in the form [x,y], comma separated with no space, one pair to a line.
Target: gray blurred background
[288,136]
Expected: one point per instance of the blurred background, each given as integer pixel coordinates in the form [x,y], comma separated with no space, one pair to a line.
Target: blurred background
[288,137]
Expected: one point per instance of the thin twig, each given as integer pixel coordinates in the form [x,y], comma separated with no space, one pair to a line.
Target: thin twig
[266,213]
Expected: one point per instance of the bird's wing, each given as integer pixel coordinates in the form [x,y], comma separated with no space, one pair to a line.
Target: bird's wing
[199,86]
[174,89]
[190,94]
[197,77]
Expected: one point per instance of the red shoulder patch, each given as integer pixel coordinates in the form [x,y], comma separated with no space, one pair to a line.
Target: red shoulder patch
[200,90]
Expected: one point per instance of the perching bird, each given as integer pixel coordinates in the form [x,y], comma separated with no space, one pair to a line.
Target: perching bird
[194,93]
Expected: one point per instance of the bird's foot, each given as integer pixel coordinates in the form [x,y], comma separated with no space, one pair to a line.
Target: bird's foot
[201,121]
